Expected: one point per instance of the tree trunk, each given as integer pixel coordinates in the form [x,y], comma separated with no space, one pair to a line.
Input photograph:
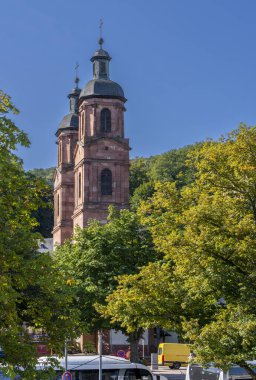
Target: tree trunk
[133,339]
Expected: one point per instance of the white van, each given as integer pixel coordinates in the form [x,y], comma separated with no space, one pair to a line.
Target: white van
[196,372]
[84,367]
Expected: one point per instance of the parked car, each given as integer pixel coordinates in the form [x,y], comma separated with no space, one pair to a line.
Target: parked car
[196,372]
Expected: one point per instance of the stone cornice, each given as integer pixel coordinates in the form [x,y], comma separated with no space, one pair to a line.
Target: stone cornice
[101,160]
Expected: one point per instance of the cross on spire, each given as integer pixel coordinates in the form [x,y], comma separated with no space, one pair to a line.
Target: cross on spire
[101,39]
[100,27]
[76,78]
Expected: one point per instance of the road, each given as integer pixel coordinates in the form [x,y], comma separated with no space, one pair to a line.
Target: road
[171,374]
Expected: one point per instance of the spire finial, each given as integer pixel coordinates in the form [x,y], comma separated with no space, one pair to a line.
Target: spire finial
[101,41]
[76,78]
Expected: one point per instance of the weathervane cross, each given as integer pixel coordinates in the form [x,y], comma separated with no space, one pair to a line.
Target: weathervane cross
[101,39]
[76,67]
[76,79]
[100,27]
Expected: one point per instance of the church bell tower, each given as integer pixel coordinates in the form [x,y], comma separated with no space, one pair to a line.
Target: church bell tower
[102,152]
[93,163]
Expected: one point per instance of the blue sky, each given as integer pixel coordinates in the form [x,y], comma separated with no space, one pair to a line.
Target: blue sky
[188,67]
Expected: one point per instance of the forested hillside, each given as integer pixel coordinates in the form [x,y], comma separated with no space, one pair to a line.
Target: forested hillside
[46,174]
[144,172]
[167,167]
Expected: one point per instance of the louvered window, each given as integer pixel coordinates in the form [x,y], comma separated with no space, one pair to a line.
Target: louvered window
[105,120]
[106,182]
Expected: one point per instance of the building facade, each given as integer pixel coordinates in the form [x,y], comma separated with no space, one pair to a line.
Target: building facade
[93,153]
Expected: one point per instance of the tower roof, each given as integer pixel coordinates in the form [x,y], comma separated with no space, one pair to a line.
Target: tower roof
[100,53]
[101,85]
[102,88]
[70,121]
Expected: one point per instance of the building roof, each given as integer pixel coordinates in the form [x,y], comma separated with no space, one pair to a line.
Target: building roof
[102,87]
[69,121]
[100,53]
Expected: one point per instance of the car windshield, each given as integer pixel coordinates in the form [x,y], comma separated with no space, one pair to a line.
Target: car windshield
[239,371]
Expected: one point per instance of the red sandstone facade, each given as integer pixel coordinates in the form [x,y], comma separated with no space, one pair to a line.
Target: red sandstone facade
[93,154]
[97,151]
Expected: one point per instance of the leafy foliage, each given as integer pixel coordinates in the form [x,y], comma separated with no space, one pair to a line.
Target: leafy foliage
[138,173]
[30,289]
[171,166]
[167,167]
[44,214]
[208,231]
[136,303]
[142,193]
[45,174]
[97,255]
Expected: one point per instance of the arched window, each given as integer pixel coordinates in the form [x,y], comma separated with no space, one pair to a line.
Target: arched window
[105,120]
[106,182]
[79,185]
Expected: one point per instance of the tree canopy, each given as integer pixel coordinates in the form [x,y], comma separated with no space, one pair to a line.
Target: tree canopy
[97,255]
[166,167]
[31,292]
[208,231]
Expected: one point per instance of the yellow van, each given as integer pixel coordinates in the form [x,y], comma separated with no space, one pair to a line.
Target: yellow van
[173,355]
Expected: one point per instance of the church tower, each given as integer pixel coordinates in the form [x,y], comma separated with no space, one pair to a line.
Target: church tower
[64,173]
[93,153]
[102,153]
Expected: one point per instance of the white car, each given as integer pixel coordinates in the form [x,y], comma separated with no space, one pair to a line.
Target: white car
[84,367]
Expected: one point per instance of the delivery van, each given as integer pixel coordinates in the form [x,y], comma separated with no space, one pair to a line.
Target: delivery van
[173,355]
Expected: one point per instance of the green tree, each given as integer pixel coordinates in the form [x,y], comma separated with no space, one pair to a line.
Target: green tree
[230,338]
[45,174]
[97,255]
[44,214]
[138,173]
[171,166]
[208,231]
[142,193]
[167,167]
[140,300]
[30,290]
